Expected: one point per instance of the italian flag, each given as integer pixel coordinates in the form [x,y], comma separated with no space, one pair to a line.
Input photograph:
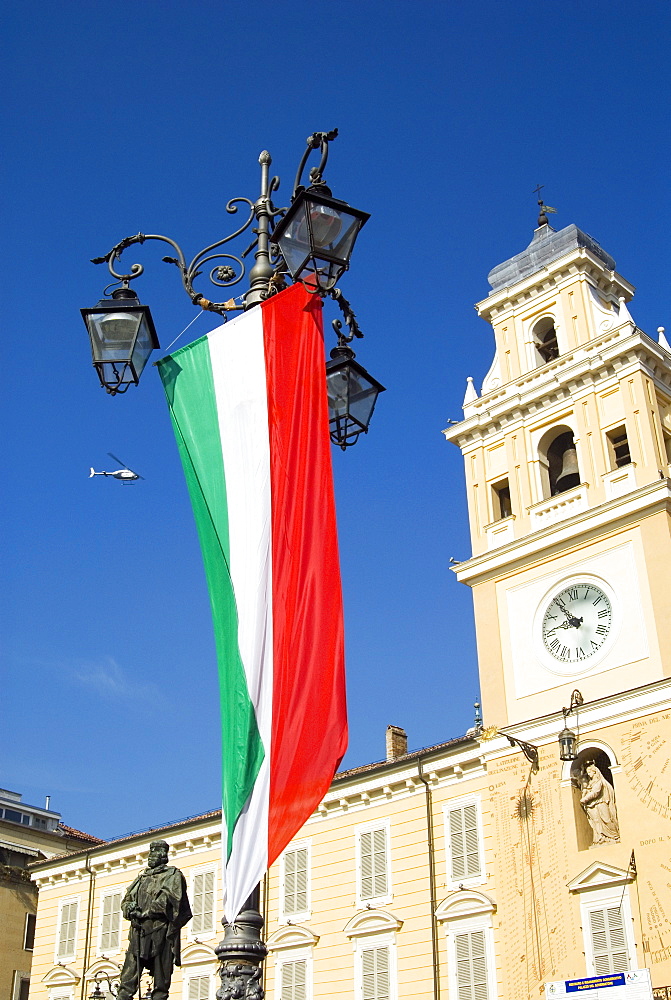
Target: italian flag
[249,410]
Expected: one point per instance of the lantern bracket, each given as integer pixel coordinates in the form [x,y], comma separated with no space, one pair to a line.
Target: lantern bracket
[528,749]
[320,141]
[353,327]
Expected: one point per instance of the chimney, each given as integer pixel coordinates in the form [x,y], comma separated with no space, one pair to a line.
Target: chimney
[48,800]
[397,742]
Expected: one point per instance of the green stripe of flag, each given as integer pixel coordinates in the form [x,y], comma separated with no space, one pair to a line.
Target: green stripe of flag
[189,387]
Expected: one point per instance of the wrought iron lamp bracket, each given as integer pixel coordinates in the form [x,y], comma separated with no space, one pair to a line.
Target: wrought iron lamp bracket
[222,275]
[528,749]
[320,141]
[350,319]
[576,701]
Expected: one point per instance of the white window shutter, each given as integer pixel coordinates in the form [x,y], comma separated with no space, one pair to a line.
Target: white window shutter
[66,938]
[608,941]
[374,862]
[375,973]
[199,988]
[464,841]
[293,980]
[471,965]
[110,930]
[296,881]
[203,903]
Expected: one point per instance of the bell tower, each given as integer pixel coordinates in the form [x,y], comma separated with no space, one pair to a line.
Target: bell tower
[567,451]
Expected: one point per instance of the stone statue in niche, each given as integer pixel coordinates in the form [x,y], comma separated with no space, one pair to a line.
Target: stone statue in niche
[598,800]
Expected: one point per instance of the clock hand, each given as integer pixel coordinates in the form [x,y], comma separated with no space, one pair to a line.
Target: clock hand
[572,620]
[562,625]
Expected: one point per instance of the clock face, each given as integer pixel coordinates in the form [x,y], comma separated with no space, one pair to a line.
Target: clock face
[577,622]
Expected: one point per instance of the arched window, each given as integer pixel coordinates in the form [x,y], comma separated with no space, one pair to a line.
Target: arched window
[559,461]
[594,807]
[545,340]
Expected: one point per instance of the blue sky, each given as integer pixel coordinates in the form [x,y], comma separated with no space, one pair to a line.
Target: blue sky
[148,117]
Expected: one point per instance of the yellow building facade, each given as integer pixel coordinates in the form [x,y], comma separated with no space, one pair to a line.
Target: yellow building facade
[480,869]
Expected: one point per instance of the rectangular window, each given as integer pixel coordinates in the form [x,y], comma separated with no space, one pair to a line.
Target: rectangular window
[609,947]
[464,842]
[67,930]
[20,985]
[374,863]
[199,988]
[110,923]
[295,882]
[471,965]
[375,973]
[293,980]
[501,500]
[618,447]
[202,903]
[29,932]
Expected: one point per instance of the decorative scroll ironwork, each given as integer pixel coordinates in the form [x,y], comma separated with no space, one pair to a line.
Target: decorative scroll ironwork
[353,327]
[320,141]
[528,749]
[225,269]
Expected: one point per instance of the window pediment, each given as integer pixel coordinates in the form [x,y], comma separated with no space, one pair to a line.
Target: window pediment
[103,967]
[62,975]
[464,903]
[599,875]
[197,953]
[372,922]
[292,936]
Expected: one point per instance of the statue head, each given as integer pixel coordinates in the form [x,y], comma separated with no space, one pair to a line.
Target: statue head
[158,853]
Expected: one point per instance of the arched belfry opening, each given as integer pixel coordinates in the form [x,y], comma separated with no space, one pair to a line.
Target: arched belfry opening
[559,461]
[545,340]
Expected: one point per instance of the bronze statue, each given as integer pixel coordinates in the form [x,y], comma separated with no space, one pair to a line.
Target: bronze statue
[598,801]
[158,907]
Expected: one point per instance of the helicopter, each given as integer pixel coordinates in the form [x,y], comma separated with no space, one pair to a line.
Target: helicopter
[125,474]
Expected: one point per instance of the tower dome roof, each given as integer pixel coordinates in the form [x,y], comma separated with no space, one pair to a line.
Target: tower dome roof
[547,245]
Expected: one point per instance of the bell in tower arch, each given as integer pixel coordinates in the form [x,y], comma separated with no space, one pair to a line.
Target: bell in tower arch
[570,474]
[563,464]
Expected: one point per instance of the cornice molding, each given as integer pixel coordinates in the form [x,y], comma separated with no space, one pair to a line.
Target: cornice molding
[645,501]
[610,356]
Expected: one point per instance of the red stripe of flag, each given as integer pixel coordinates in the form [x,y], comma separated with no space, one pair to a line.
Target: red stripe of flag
[309,726]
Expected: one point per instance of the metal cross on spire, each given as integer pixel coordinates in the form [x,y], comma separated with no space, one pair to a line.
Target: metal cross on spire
[543,209]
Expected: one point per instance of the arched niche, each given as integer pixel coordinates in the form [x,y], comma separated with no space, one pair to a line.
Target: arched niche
[369,922]
[604,761]
[464,903]
[544,335]
[558,461]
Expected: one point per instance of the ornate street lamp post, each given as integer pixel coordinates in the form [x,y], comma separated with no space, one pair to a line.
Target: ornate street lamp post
[309,241]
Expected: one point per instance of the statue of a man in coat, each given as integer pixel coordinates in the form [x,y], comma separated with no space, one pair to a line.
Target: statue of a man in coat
[158,907]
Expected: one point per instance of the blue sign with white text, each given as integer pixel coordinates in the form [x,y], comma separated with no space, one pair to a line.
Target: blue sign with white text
[594,983]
